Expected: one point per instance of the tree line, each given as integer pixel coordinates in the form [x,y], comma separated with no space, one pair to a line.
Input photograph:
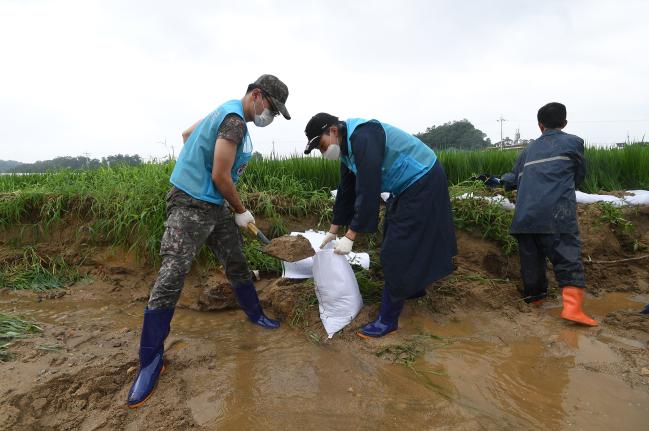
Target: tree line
[454,135]
[68,162]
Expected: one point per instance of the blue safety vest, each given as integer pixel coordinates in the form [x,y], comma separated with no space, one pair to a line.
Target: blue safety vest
[193,171]
[405,161]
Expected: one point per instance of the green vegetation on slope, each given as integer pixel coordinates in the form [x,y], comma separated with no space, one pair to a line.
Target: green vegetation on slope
[126,205]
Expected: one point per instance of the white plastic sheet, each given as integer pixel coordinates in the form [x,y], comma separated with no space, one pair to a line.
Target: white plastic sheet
[304,268]
[498,200]
[635,197]
[339,299]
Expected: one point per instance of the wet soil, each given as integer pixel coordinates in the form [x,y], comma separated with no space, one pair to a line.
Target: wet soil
[290,248]
[483,359]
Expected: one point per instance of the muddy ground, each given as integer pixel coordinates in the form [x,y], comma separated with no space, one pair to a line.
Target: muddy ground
[470,355]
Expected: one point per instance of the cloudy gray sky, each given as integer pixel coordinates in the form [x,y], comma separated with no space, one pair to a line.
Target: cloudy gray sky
[126,76]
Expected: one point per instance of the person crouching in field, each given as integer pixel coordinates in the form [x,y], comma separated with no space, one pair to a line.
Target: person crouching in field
[216,152]
[545,219]
[418,237]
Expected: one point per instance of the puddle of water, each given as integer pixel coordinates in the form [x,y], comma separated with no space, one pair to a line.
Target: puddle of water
[612,301]
[494,378]
[508,382]
[533,382]
[596,401]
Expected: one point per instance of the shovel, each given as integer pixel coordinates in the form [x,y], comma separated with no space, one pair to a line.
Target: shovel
[259,234]
[286,248]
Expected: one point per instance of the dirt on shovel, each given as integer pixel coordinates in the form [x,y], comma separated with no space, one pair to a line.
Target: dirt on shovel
[289,248]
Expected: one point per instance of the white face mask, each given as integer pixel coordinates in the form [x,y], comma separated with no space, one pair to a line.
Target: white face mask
[265,118]
[332,153]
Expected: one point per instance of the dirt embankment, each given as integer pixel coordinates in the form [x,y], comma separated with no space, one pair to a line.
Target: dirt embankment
[75,375]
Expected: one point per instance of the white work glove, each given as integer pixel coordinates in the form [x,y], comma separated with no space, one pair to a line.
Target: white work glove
[344,246]
[244,218]
[327,239]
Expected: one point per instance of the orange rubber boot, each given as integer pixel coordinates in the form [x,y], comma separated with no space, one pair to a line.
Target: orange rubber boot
[573,298]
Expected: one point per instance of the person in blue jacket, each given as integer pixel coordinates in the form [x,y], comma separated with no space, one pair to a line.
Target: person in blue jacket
[418,235]
[545,220]
[199,211]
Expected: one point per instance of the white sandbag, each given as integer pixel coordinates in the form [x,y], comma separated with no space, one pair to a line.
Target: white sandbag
[339,298]
[304,268]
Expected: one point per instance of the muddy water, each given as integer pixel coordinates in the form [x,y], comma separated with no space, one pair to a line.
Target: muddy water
[537,382]
[484,372]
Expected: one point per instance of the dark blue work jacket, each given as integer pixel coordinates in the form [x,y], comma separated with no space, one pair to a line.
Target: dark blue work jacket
[548,172]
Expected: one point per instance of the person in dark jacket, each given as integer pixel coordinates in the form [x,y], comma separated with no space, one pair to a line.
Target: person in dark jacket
[418,236]
[545,219]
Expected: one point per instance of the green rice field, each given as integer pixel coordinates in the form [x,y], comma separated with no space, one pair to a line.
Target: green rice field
[126,205]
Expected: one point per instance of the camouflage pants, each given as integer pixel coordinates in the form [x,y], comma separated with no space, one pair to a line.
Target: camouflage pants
[190,224]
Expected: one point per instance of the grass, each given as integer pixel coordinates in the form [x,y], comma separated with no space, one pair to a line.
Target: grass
[462,165]
[412,348]
[620,225]
[607,169]
[36,272]
[621,169]
[370,281]
[125,206]
[614,216]
[483,217]
[300,312]
[259,260]
[13,328]
[407,352]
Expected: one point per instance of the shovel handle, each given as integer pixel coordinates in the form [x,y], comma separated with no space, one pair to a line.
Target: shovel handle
[259,234]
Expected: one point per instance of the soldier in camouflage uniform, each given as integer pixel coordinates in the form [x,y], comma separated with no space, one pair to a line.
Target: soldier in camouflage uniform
[216,152]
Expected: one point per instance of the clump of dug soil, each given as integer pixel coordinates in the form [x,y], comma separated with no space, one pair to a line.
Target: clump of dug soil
[290,248]
[288,297]
[219,297]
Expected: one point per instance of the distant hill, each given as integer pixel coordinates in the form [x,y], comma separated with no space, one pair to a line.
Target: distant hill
[8,165]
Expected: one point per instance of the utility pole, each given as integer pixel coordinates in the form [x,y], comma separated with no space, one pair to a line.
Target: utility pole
[501,120]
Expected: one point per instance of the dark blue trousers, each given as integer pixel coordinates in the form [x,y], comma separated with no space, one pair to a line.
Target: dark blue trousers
[564,252]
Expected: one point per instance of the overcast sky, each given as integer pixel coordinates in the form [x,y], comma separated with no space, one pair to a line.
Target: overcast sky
[127,76]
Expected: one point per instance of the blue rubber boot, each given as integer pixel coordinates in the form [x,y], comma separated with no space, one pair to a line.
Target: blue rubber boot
[155,329]
[646,310]
[249,302]
[388,319]
[418,294]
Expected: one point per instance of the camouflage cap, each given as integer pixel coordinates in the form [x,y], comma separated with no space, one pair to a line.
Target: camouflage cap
[276,90]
